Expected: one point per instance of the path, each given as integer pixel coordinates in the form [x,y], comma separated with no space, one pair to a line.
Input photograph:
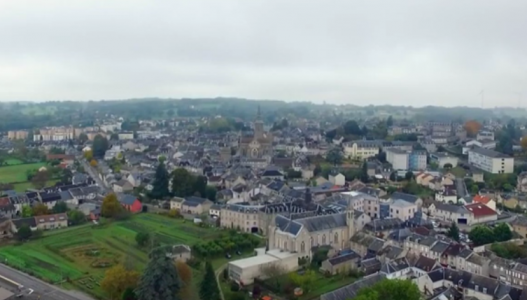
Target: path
[219,271]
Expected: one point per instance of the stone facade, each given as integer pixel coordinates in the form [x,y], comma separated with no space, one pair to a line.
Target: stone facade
[258,145]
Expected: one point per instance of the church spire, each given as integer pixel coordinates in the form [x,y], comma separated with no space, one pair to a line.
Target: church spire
[258,114]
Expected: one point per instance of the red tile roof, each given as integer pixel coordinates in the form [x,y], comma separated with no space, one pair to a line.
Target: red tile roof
[480,210]
[481,199]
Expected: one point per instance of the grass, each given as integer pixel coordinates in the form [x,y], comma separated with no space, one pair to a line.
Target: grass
[13,161]
[459,172]
[17,173]
[23,186]
[68,253]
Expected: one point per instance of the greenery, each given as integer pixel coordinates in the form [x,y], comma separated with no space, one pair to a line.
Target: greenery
[482,235]
[234,241]
[160,280]
[62,253]
[185,184]
[509,250]
[208,288]
[453,232]
[100,145]
[160,184]
[390,290]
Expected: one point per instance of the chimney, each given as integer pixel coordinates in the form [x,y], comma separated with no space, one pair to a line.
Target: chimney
[307,197]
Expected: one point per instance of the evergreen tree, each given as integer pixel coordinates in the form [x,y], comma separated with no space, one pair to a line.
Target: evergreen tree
[364,177]
[453,232]
[160,184]
[160,280]
[208,289]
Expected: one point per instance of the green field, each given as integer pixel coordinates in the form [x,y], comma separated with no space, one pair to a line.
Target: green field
[23,186]
[13,161]
[80,256]
[17,173]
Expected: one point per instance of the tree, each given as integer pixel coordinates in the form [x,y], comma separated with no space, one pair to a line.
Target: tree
[129,294]
[453,232]
[200,185]
[93,163]
[60,207]
[364,177]
[472,127]
[448,166]
[110,206]
[76,217]
[523,142]
[185,275]
[305,281]
[100,145]
[502,232]
[114,137]
[210,193]
[182,183]
[23,233]
[208,289]
[317,170]
[83,138]
[26,211]
[389,121]
[39,209]
[40,179]
[160,280]
[409,175]
[352,128]
[160,184]
[117,279]
[334,156]
[142,238]
[481,235]
[393,176]
[390,289]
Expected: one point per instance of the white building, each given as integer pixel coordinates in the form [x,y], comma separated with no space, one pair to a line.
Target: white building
[483,135]
[486,144]
[126,136]
[491,161]
[441,159]
[361,149]
[398,159]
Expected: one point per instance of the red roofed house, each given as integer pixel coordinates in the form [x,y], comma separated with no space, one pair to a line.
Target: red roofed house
[131,203]
[485,200]
[480,213]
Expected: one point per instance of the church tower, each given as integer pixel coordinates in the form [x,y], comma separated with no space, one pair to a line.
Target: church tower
[258,125]
[350,221]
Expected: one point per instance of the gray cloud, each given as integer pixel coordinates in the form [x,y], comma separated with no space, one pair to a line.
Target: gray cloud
[409,52]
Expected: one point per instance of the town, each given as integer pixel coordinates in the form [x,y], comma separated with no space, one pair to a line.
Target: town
[255,205]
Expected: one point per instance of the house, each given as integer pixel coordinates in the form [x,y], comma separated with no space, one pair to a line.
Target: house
[176,203]
[398,158]
[341,264]
[196,205]
[485,200]
[402,210]
[56,221]
[50,199]
[122,186]
[350,291]
[481,213]
[7,208]
[519,225]
[408,198]
[449,212]
[134,179]
[131,203]
[491,161]
[180,253]
[446,196]
[337,178]
[215,210]
[29,222]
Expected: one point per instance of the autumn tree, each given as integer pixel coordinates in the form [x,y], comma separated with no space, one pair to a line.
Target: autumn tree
[117,279]
[40,209]
[523,142]
[93,163]
[185,275]
[110,206]
[88,155]
[40,179]
[472,127]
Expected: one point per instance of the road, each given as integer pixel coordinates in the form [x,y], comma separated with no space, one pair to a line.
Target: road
[94,174]
[40,288]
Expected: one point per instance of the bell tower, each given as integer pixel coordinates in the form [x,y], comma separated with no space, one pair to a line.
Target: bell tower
[350,221]
[258,125]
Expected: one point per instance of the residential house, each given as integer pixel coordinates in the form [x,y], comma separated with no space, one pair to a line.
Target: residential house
[215,210]
[50,199]
[351,291]
[337,178]
[361,149]
[341,264]
[447,195]
[123,186]
[408,198]
[486,200]
[56,221]
[450,212]
[180,252]
[519,225]
[29,222]
[196,205]
[402,210]
[481,213]
[130,203]
[398,158]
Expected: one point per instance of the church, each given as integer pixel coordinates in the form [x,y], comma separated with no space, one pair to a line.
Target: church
[258,145]
[302,233]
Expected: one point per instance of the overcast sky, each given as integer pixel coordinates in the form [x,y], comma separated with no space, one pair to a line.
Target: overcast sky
[406,52]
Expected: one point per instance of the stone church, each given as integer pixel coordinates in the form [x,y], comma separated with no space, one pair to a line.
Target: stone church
[258,145]
[301,234]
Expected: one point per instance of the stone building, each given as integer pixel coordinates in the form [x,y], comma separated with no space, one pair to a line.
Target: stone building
[258,145]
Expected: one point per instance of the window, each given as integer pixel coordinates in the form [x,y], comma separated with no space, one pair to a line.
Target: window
[302,247]
[323,239]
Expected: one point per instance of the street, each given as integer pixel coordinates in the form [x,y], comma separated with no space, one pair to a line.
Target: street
[40,288]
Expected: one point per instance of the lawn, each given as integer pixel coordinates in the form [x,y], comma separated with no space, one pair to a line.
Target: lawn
[23,186]
[458,171]
[83,254]
[13,161]
[17,173]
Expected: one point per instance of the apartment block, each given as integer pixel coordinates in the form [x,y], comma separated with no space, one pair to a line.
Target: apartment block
[491,161]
